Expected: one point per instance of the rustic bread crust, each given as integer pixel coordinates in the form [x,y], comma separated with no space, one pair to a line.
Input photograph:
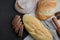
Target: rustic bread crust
[43,17]
[45,9]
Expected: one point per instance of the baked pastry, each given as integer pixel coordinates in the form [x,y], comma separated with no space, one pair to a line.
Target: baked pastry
[36,29]
[19,8]
[17,25]
[25,6]
[46,8]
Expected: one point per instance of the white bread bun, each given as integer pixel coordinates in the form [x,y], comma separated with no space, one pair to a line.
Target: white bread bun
[46,8]
[25,6]
[19,9]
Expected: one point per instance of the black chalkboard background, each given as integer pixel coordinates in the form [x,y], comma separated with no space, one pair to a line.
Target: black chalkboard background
[7,13]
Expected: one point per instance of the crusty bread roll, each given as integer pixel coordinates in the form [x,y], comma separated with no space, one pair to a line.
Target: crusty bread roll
[46,9]
[25,6]
[19,8]
[36,29]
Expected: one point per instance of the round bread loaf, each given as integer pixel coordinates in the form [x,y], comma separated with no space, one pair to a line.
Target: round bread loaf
[25,6]
[46,8]
[19,8]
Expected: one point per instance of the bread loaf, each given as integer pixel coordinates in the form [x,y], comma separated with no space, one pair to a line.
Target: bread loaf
[26,6]
[19,8]
[36,29]
[46,8]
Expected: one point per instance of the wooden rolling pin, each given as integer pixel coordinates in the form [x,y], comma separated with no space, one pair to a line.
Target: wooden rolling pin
[54,19]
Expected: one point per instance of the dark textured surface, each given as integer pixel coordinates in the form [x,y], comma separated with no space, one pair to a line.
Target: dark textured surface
[7,13]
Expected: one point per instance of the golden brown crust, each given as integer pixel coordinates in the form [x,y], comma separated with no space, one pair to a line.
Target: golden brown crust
[45,9]
[43,17]
[47,3]
[36,29]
